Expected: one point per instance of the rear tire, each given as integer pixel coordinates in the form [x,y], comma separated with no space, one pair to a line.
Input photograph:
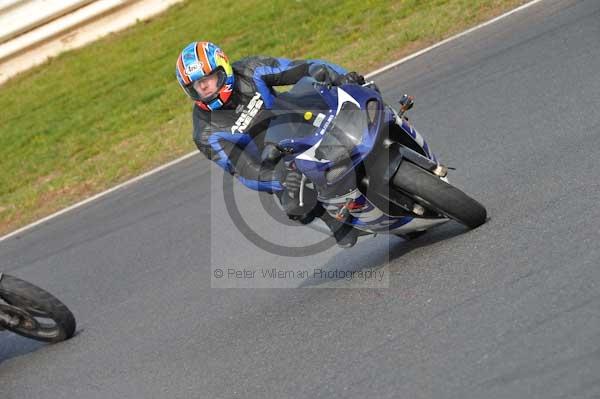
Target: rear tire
[433,192]
[40,305]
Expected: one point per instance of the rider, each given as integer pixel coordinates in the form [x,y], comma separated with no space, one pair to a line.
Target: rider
[228,96]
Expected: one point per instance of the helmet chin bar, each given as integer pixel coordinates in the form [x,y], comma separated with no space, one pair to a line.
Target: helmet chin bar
[211,98]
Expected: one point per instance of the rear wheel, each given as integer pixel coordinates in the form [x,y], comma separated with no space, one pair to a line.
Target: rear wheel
[33,312]
[434,193]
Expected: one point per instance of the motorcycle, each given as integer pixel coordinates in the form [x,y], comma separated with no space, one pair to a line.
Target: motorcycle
[29,311]
[367,164]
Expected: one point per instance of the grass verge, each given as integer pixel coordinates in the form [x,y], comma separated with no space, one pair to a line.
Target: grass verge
[91,118]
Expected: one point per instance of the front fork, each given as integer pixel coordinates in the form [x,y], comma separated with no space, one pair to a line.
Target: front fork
[416,158]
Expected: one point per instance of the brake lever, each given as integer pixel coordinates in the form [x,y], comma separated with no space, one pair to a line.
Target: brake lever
[301,195]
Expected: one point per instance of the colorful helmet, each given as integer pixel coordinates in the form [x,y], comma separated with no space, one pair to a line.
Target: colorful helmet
[199,60]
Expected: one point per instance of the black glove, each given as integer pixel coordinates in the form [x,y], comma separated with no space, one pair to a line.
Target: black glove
[292,182]
[290,198]
[322,73]
[349,78]
[271,154]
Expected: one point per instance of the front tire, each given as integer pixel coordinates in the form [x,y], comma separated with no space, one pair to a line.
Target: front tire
[40,315]
[434,193]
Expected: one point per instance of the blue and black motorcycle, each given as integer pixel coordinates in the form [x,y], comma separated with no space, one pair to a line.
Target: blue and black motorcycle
[368,166]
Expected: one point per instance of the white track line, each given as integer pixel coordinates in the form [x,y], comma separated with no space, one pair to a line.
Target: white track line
[425,50]
[178,160]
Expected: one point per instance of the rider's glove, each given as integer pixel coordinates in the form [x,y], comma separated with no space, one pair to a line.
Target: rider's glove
[292,182]
[349,78]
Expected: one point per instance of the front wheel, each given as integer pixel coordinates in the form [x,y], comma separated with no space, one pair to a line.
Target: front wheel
[434,193]
[32,312]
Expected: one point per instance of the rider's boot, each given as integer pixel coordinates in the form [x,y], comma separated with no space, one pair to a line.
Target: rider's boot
[345,235]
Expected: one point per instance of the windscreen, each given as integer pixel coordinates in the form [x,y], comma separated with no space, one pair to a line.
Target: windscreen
[303,98]
[344,135]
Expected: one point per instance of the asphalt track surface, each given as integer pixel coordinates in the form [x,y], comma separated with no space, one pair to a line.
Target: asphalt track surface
[509,310]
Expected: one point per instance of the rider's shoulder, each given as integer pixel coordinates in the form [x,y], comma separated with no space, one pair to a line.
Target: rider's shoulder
[254,61]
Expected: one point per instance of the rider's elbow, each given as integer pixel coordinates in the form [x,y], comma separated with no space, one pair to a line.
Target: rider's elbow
[206,149]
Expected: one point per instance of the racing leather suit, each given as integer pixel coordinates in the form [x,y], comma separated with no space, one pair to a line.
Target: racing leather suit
[229,137]
[222,135]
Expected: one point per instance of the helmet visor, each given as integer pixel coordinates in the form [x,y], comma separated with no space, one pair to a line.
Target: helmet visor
[207,88]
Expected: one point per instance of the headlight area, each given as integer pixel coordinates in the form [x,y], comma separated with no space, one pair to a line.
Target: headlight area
[344,134]
[341,140]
